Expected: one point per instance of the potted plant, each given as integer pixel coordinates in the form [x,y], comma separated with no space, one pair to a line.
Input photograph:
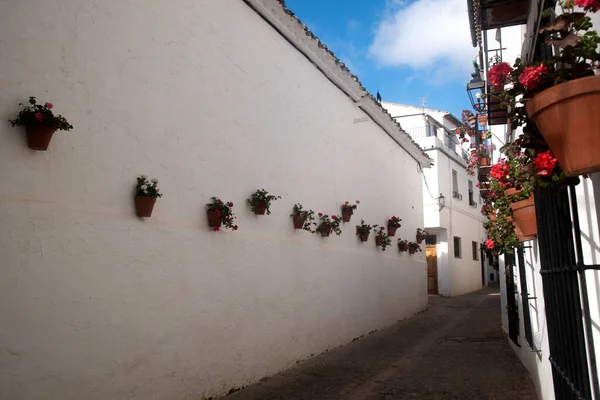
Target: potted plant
[146,193]
[402,245]
[382,239]
[302,218]
[421,235]
[413,247]
[40,123]
[220,213]
[557,102]
[393,225]
[326,224]
[260,202]
[348,210]
[363,230]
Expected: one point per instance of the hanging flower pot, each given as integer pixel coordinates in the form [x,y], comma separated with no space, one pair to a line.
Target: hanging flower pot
[348,210]
[144,206]
[402,245]
[260,207]
[524,216]
[393,225]
[40,123]
[378,240]
[392,230]
[567,116]
[485,162]
[421,235]
[39,136]
[363,230]
[522,238]
[325,231]
[214,218]
[146,193]
[364,237]
[298,221]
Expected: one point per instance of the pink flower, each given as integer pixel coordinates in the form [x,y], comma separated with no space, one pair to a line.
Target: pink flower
[498,73]
[346,203]
[39,116]
[545,163]
[489,244]
[235,227]
[320,214]
[588,5]
[49,105]
[357,201]
[530,77]
[230,204]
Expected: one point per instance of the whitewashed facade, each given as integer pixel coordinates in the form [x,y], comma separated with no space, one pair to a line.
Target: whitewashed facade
[210,99]
[455,219]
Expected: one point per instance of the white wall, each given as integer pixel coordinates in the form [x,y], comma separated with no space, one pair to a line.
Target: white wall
[209,99]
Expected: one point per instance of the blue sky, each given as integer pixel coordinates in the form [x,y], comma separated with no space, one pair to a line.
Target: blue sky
[406,49]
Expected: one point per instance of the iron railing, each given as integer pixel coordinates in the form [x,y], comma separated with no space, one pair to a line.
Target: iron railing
[525,297]
[511,301]
[572,354]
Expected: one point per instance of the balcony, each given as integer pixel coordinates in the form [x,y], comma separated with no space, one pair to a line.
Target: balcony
[457,195]
[426,138]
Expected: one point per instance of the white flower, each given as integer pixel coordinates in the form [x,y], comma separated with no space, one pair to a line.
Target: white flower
[144,187]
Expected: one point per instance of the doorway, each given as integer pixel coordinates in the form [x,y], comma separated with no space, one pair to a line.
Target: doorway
[432,269]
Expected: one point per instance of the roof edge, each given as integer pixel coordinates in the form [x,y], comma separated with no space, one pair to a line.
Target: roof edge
[298,35]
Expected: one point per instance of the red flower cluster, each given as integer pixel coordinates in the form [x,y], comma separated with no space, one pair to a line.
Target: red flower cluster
[39,116]
[335,217]
[498,74]
[500,171]
[530,77]
[49,105]
[545,163]
[588,5]
[489,244]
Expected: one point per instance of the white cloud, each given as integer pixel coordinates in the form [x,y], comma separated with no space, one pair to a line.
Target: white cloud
[431,35]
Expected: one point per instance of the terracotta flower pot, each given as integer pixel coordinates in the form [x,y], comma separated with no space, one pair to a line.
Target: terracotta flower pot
[39,136]
[299,221]
[144,205]
[510,192]
[524,216]
[392,230]
[492,216]
[420,239]
[411,251]
[364,237]
[214,218]
[568,116]
[378,241]
[260,207]
[402,248]
[485,161]
[346,215]
[326,231]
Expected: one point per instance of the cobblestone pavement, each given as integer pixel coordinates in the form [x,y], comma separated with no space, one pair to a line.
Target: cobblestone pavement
[454,350]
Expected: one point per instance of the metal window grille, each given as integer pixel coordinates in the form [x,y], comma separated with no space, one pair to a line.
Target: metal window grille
[511,300]
[525,297]
[567,308]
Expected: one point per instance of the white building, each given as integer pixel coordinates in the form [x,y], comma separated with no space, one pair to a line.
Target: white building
[451,202]
[553,286]
[213,98]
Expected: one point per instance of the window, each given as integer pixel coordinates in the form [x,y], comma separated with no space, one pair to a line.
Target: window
[432,130]
[475,251]
[431,240]
[472,201]
[455,192]
[457,247]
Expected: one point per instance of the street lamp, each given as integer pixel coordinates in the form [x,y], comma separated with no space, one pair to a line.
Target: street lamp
[476,90]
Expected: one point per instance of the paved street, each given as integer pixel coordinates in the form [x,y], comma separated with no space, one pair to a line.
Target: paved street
[455,350]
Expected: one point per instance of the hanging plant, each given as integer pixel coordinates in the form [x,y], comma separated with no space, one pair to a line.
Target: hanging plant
[363,230]
[40,123]
[260,201]
[413,247]
[393,225]
[327,224]
[302,218]
[402,245]
[382,239]
[146,193]
[421,234]
[348,210]
[220,213]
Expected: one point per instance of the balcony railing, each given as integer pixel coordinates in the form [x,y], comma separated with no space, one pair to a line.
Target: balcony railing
[457,195]
[423,136]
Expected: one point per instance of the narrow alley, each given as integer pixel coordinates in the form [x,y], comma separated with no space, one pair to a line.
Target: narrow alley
[454,350]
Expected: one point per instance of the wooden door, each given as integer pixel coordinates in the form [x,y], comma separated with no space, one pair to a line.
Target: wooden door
[432,270]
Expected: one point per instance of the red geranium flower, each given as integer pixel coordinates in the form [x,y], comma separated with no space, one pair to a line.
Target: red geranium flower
[230,204]
[39,116]
[500,171]
[545,163]
[498,74]
[489,244]
[49,105]
[357,201]
[235,227]
[591,5]
[530,77]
